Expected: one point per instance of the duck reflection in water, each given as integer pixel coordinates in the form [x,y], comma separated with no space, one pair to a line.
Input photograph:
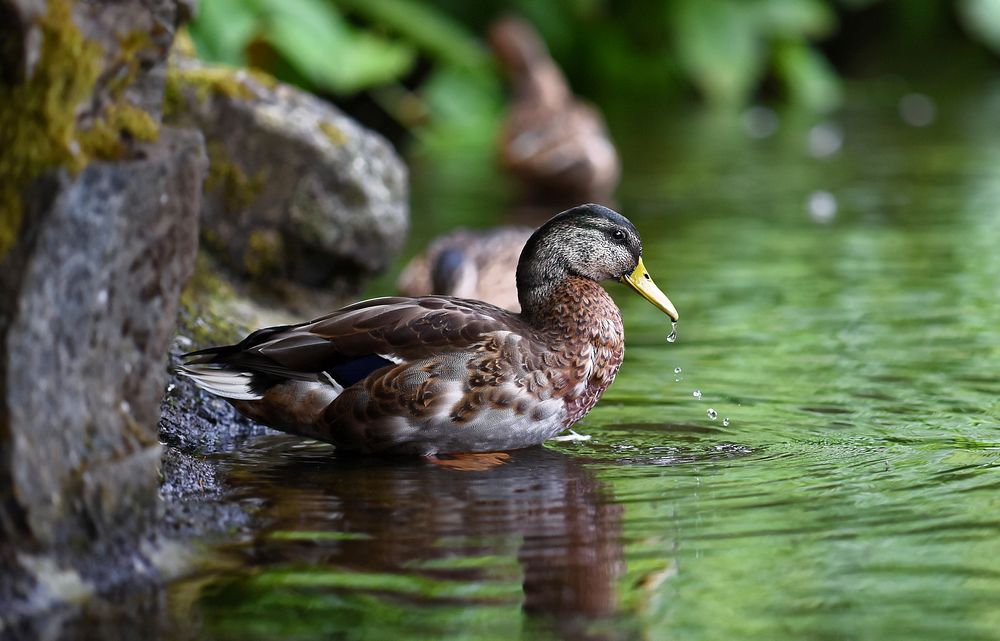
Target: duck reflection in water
[541,507]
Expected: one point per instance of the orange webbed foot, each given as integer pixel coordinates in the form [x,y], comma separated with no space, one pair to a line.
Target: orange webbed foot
[470,461]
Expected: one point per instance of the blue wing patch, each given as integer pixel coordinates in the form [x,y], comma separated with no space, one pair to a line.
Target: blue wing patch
[350,372]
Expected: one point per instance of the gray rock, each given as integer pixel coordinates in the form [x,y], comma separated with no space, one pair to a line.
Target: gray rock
[89,295]
[297,193]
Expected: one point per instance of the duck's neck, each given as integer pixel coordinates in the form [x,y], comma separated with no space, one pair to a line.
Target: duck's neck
[584,330]
[574,309]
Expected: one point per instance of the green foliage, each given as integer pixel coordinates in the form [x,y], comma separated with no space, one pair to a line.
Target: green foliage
[807,76]
[223,30]
[718,48]
[322,48]
[728,51]
[428,29]
[467,107]
[982,19]
[309,35]
[726,48]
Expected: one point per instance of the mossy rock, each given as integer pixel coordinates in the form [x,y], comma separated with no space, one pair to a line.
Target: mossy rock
[298,194]
[42,127]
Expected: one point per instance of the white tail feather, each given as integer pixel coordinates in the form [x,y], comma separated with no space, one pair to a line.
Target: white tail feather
[221,382]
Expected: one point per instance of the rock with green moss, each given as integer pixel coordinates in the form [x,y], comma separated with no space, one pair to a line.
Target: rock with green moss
[298,194]
[79,81]
[99,210]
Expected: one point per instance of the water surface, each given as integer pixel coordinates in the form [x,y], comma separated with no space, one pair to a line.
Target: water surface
[854,494]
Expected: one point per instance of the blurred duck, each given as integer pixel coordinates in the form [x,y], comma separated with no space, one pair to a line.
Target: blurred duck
[436,374]
[550,140]
[465,263]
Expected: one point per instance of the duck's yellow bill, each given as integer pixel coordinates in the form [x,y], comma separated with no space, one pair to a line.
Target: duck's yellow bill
[642,282]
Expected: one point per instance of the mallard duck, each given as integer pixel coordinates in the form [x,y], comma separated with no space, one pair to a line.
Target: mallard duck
[437,374]
[469,263]
[550,139]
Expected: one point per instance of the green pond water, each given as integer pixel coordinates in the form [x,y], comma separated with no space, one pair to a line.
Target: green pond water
[854,493]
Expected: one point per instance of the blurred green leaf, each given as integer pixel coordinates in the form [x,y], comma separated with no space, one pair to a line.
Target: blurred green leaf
[724,48]
[368,61]
[319,13]
[718,47]
[223,29]
[807,77]
[317,41]
[466,106]
[981,18]
[427,29]
[793,19]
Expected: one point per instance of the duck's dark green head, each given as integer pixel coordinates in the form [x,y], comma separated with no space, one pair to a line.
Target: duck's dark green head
[592,242]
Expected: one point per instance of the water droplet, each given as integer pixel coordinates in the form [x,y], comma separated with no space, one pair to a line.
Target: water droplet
[696,394]
[760,122]
[725,422]
[917,109]
[825,139]
[672,336]
[712,414]
[822,206]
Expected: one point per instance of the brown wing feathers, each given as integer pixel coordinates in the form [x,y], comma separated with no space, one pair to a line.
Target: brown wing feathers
[394,328]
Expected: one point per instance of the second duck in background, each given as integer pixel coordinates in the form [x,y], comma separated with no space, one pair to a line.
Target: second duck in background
[557,145]
[465,263]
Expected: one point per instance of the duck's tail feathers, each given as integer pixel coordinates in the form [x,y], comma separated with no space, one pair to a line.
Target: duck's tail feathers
[222,381]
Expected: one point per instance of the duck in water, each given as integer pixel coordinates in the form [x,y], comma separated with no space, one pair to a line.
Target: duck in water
[437,374]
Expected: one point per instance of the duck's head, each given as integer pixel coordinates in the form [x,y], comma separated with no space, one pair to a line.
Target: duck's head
[589,241]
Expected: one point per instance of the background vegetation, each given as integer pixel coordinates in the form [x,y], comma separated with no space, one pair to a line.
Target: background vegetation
[424,63]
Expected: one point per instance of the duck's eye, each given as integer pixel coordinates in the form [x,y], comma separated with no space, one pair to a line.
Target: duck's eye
[618,235]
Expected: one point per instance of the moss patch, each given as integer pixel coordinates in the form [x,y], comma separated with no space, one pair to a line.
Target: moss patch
[333,133]
[105,138]
[198,299]
[183,44]
[127,62]
[204,82]
[238,189]
[265,79]
[38,128]
[264,253]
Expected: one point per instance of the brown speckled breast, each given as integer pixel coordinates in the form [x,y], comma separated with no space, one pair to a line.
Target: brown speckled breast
[588,343]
